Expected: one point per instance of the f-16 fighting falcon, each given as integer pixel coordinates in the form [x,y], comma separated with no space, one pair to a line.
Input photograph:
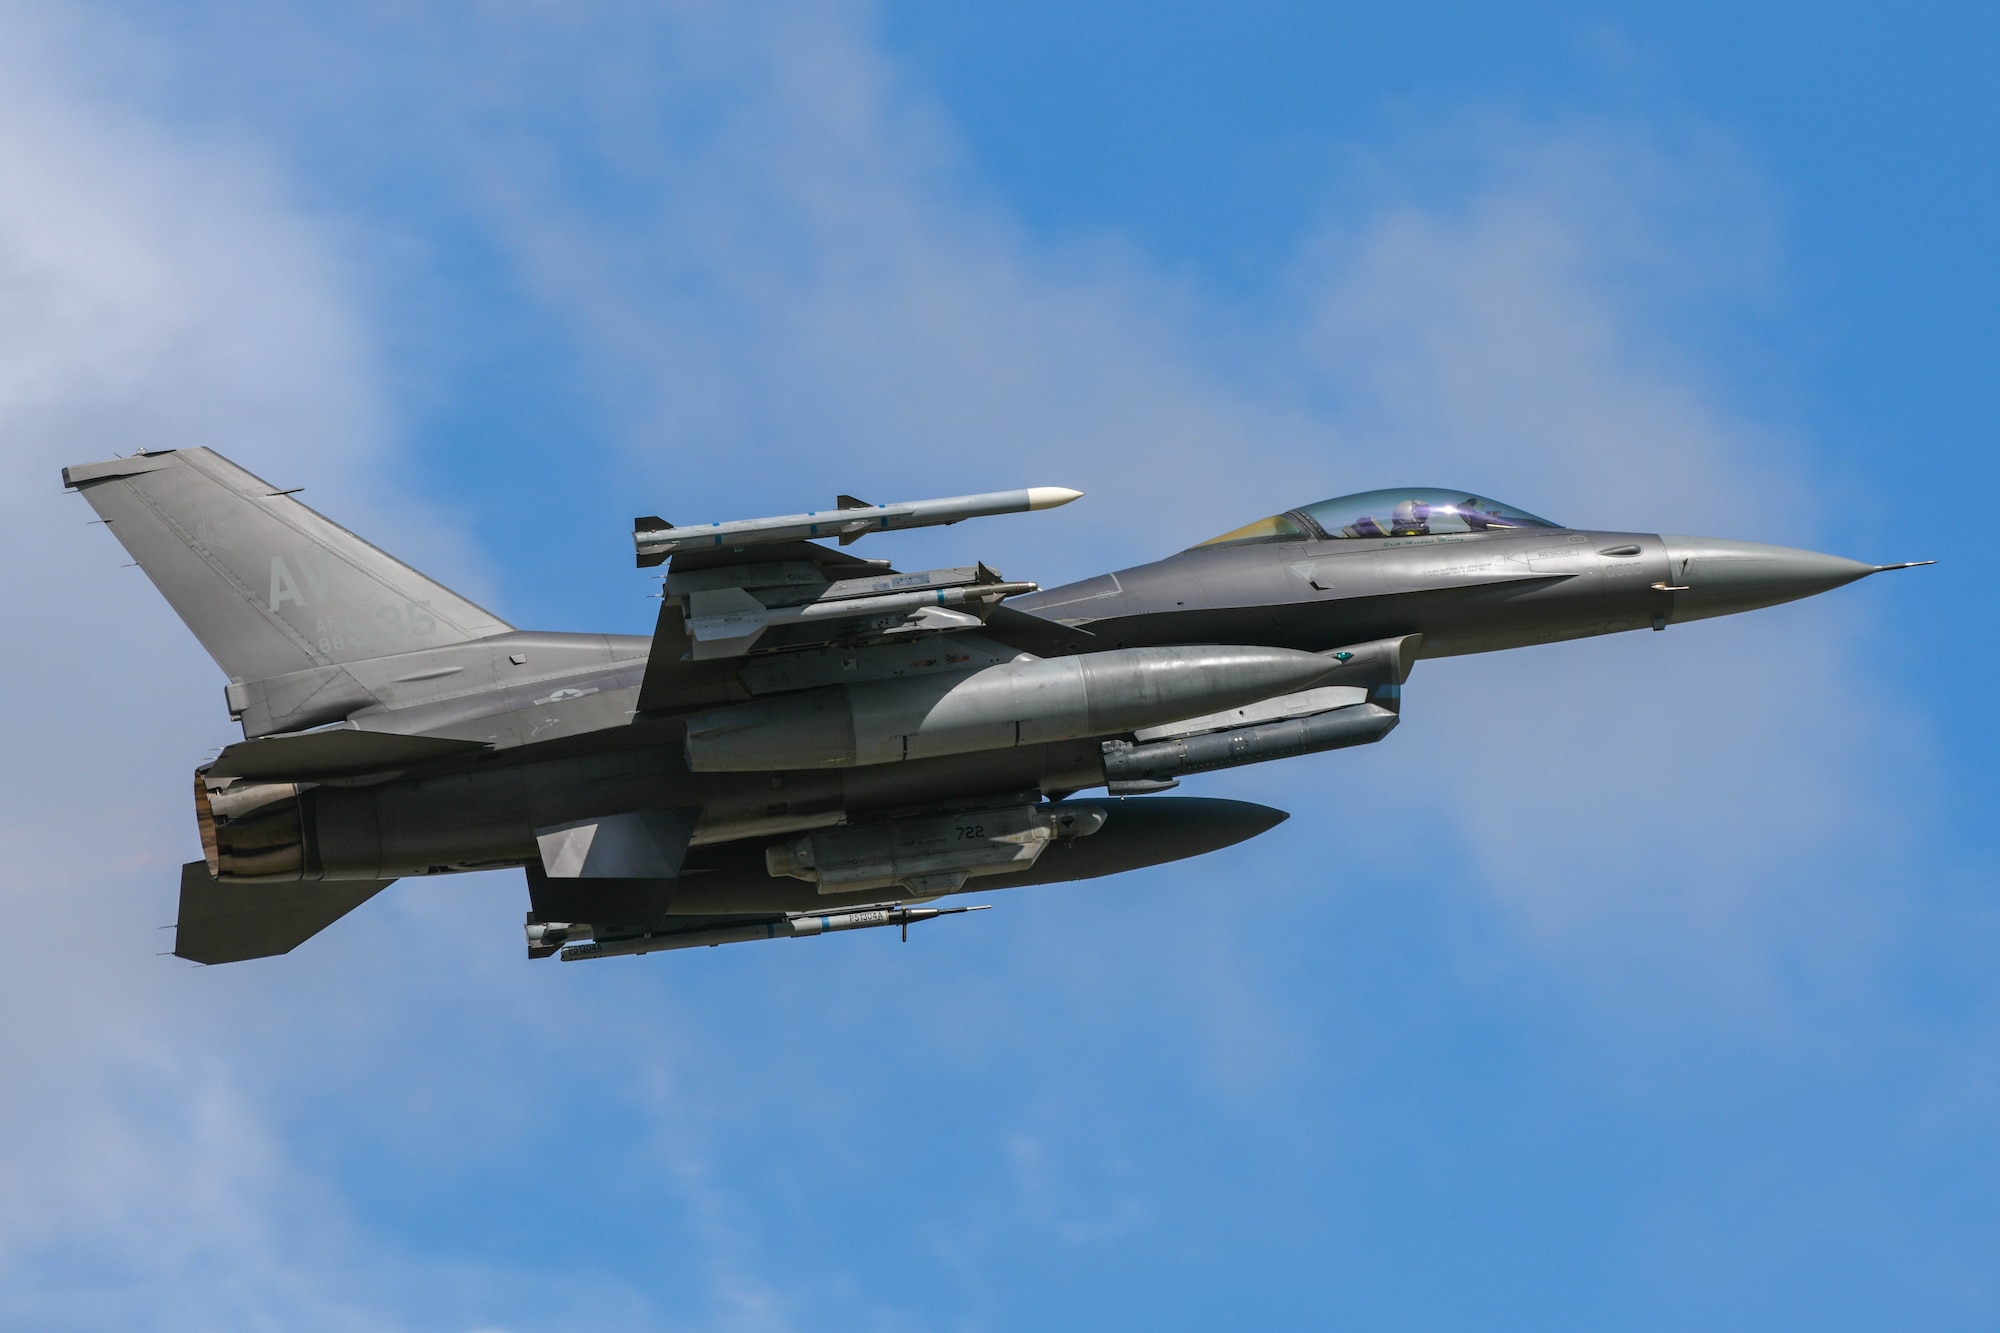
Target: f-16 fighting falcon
[811,741]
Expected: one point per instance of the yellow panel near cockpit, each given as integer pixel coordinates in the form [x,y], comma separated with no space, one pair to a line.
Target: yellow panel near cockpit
[1263,530]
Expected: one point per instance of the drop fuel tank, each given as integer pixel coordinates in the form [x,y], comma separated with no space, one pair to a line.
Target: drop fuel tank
[1027,701]
[1133,833]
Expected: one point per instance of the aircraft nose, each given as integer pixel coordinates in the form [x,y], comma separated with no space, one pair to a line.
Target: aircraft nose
[1711,576]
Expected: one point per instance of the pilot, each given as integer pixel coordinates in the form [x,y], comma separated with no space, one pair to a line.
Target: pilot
[1412,518]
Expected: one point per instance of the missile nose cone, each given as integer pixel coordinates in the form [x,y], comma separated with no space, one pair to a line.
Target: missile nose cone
[1714,577]
[1049,497]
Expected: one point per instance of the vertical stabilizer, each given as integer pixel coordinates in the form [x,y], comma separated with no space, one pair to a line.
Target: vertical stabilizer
[266,584]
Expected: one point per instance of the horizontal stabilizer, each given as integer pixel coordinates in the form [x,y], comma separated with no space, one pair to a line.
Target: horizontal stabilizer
[227,923]
[339,752]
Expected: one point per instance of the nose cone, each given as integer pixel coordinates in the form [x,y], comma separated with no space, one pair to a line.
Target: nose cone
[1713,577]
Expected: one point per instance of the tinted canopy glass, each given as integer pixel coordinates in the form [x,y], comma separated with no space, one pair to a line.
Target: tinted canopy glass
[1415,513]
[1411,512]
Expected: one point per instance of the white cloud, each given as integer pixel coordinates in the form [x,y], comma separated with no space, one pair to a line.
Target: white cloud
[157,289]
[792,284]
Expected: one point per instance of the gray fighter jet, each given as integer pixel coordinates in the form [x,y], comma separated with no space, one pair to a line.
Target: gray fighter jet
[811,741]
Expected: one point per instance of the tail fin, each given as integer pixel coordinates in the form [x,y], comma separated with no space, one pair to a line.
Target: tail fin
[266,584]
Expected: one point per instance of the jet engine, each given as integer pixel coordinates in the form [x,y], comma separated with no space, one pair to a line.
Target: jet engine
[257,832]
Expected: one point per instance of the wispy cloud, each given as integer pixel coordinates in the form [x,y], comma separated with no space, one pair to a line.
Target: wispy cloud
[158,288]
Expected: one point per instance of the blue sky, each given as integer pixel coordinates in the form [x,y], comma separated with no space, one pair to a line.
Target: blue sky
[1638,983]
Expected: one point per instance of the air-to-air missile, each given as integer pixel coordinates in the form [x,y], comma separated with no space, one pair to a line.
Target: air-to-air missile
[656,539]
[791,926]
[810,742]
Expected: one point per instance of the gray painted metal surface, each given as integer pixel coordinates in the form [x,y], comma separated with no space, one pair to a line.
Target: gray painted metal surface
[1026,701]
[266,584]
[807,732]
[228,923]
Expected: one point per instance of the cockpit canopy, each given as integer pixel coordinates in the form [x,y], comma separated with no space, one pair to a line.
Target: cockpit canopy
[1413,512]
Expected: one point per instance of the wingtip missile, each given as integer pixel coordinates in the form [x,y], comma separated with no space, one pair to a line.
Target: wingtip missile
[852,520]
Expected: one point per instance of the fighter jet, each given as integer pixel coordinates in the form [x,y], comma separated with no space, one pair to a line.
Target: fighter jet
[811,741]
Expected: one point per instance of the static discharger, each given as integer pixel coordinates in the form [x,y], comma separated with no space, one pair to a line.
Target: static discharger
[795,926]
[656,539]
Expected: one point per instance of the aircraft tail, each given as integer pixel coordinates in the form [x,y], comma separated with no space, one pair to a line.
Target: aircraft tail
[268,586]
